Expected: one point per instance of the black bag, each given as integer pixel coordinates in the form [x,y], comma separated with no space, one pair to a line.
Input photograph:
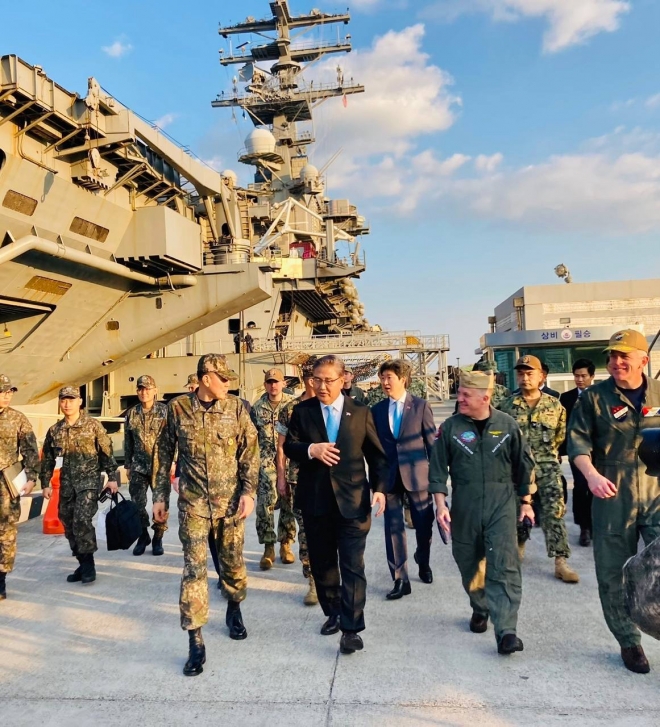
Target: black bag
[641,578]
[122,523]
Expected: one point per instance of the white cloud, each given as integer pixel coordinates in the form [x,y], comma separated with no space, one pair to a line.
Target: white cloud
[570,21]
[653,102]
[485,163]
[166,120]
[215,162]
[117,49]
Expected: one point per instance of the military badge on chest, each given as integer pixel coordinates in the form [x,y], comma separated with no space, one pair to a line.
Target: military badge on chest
[619,412]
[651,411]
[468,437]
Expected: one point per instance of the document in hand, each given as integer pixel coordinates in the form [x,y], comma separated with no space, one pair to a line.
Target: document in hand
[16,479]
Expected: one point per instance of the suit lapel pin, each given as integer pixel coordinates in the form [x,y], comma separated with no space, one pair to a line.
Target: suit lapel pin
[348,413]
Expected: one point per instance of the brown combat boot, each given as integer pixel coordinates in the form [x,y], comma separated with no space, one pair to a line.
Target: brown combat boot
[635,659]
[564,573]
[311,598]
[268,558]
[286,554]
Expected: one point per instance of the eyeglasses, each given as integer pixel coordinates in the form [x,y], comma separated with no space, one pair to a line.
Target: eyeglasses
[318,382]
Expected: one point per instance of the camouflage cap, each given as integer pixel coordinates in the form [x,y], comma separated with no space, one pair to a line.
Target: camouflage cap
[627,341]
[528,362]
[477,380]
[5,384]
[69,392]
[485,366]
[308,367]
[273,375]
[146,382]
[193,380]
[217,363]
[348,369]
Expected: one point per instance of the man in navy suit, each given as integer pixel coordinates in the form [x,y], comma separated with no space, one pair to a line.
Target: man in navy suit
[331,436]
[406,430]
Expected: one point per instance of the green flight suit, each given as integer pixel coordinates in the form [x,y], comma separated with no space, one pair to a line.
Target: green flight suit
[489,472]
[605,425]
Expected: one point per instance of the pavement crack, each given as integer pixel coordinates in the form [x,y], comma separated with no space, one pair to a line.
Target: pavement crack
[328,714]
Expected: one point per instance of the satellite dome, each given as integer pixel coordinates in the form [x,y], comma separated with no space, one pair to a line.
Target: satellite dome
[308,173]
[260,141]
[230,174]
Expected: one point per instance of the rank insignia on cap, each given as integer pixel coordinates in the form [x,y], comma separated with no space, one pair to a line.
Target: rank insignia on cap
[651,411]
[618,337]
[525,359]
[619,412]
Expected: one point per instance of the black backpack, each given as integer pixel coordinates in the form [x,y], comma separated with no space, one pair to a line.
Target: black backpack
[122,523]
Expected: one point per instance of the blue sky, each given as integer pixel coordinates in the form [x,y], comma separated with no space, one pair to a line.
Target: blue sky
[496,138]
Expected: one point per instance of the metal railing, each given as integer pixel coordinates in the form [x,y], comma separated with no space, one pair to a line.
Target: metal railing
[351,342]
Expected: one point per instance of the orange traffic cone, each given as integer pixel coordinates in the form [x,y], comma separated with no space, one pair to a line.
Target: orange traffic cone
[52,524]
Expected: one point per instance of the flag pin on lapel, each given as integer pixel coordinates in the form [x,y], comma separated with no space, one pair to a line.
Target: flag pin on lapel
[348,413]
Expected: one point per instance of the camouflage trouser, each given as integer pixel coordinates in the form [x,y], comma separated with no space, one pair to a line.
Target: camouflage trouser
[10,511]
[303,552]
[267,502]
[553,507]
[76,512]
[229,534]
[137,488]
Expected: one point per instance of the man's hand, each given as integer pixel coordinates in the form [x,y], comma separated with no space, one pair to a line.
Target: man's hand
[245,506]
[128,473]
[112,486]
[326,452]
[175,485]
[160,513]
[601,486]
[378,498]
[47,492]
[444,518]
[282,487]
[29,486]
[526,511]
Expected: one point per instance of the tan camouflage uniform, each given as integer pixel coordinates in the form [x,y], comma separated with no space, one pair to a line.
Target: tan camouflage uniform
[16,438]
[219,462]
[282,427]
[544,428]
[264,416]
[86,450]
[141,432]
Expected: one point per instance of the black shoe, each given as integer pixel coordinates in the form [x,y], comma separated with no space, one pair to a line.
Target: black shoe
[219,583]
[350,643]
[76,576]
[401,589]
[585,537]
[478,623]
[234,620]
[3,586]
[425,572]
[87,569]
[635,659]
[331,626]
[142,542]
[157,545]
[508,644]
[196,654]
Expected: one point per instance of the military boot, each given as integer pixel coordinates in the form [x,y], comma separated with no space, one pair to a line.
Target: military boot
[196,654]
[268,558]
[635,659]
[142,542]
[563,572]
[311,597]
[286,554]
[76,576]
[234,620]
[3,586]
[87,569]
[157,544]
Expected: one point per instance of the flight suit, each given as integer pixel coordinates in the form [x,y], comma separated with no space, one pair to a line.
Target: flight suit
[489,472]
[544,427]
[606,426]
[218,459]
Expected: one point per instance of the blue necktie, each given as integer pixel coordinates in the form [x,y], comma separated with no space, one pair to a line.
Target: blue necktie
[332,423]
[396,420]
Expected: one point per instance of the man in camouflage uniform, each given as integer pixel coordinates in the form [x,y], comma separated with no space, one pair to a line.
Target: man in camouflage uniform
[218,459]
[500,393]
[543,422]
[287,477]
[17,441]
[193,383]
[144,423]
[85,450]
[264,414]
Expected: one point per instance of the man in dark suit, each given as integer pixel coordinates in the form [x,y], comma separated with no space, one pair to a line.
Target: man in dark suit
[331,436]
[583,375]
[406,430]
[545,388]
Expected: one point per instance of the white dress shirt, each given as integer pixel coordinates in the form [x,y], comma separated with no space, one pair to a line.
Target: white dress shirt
[393,404]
